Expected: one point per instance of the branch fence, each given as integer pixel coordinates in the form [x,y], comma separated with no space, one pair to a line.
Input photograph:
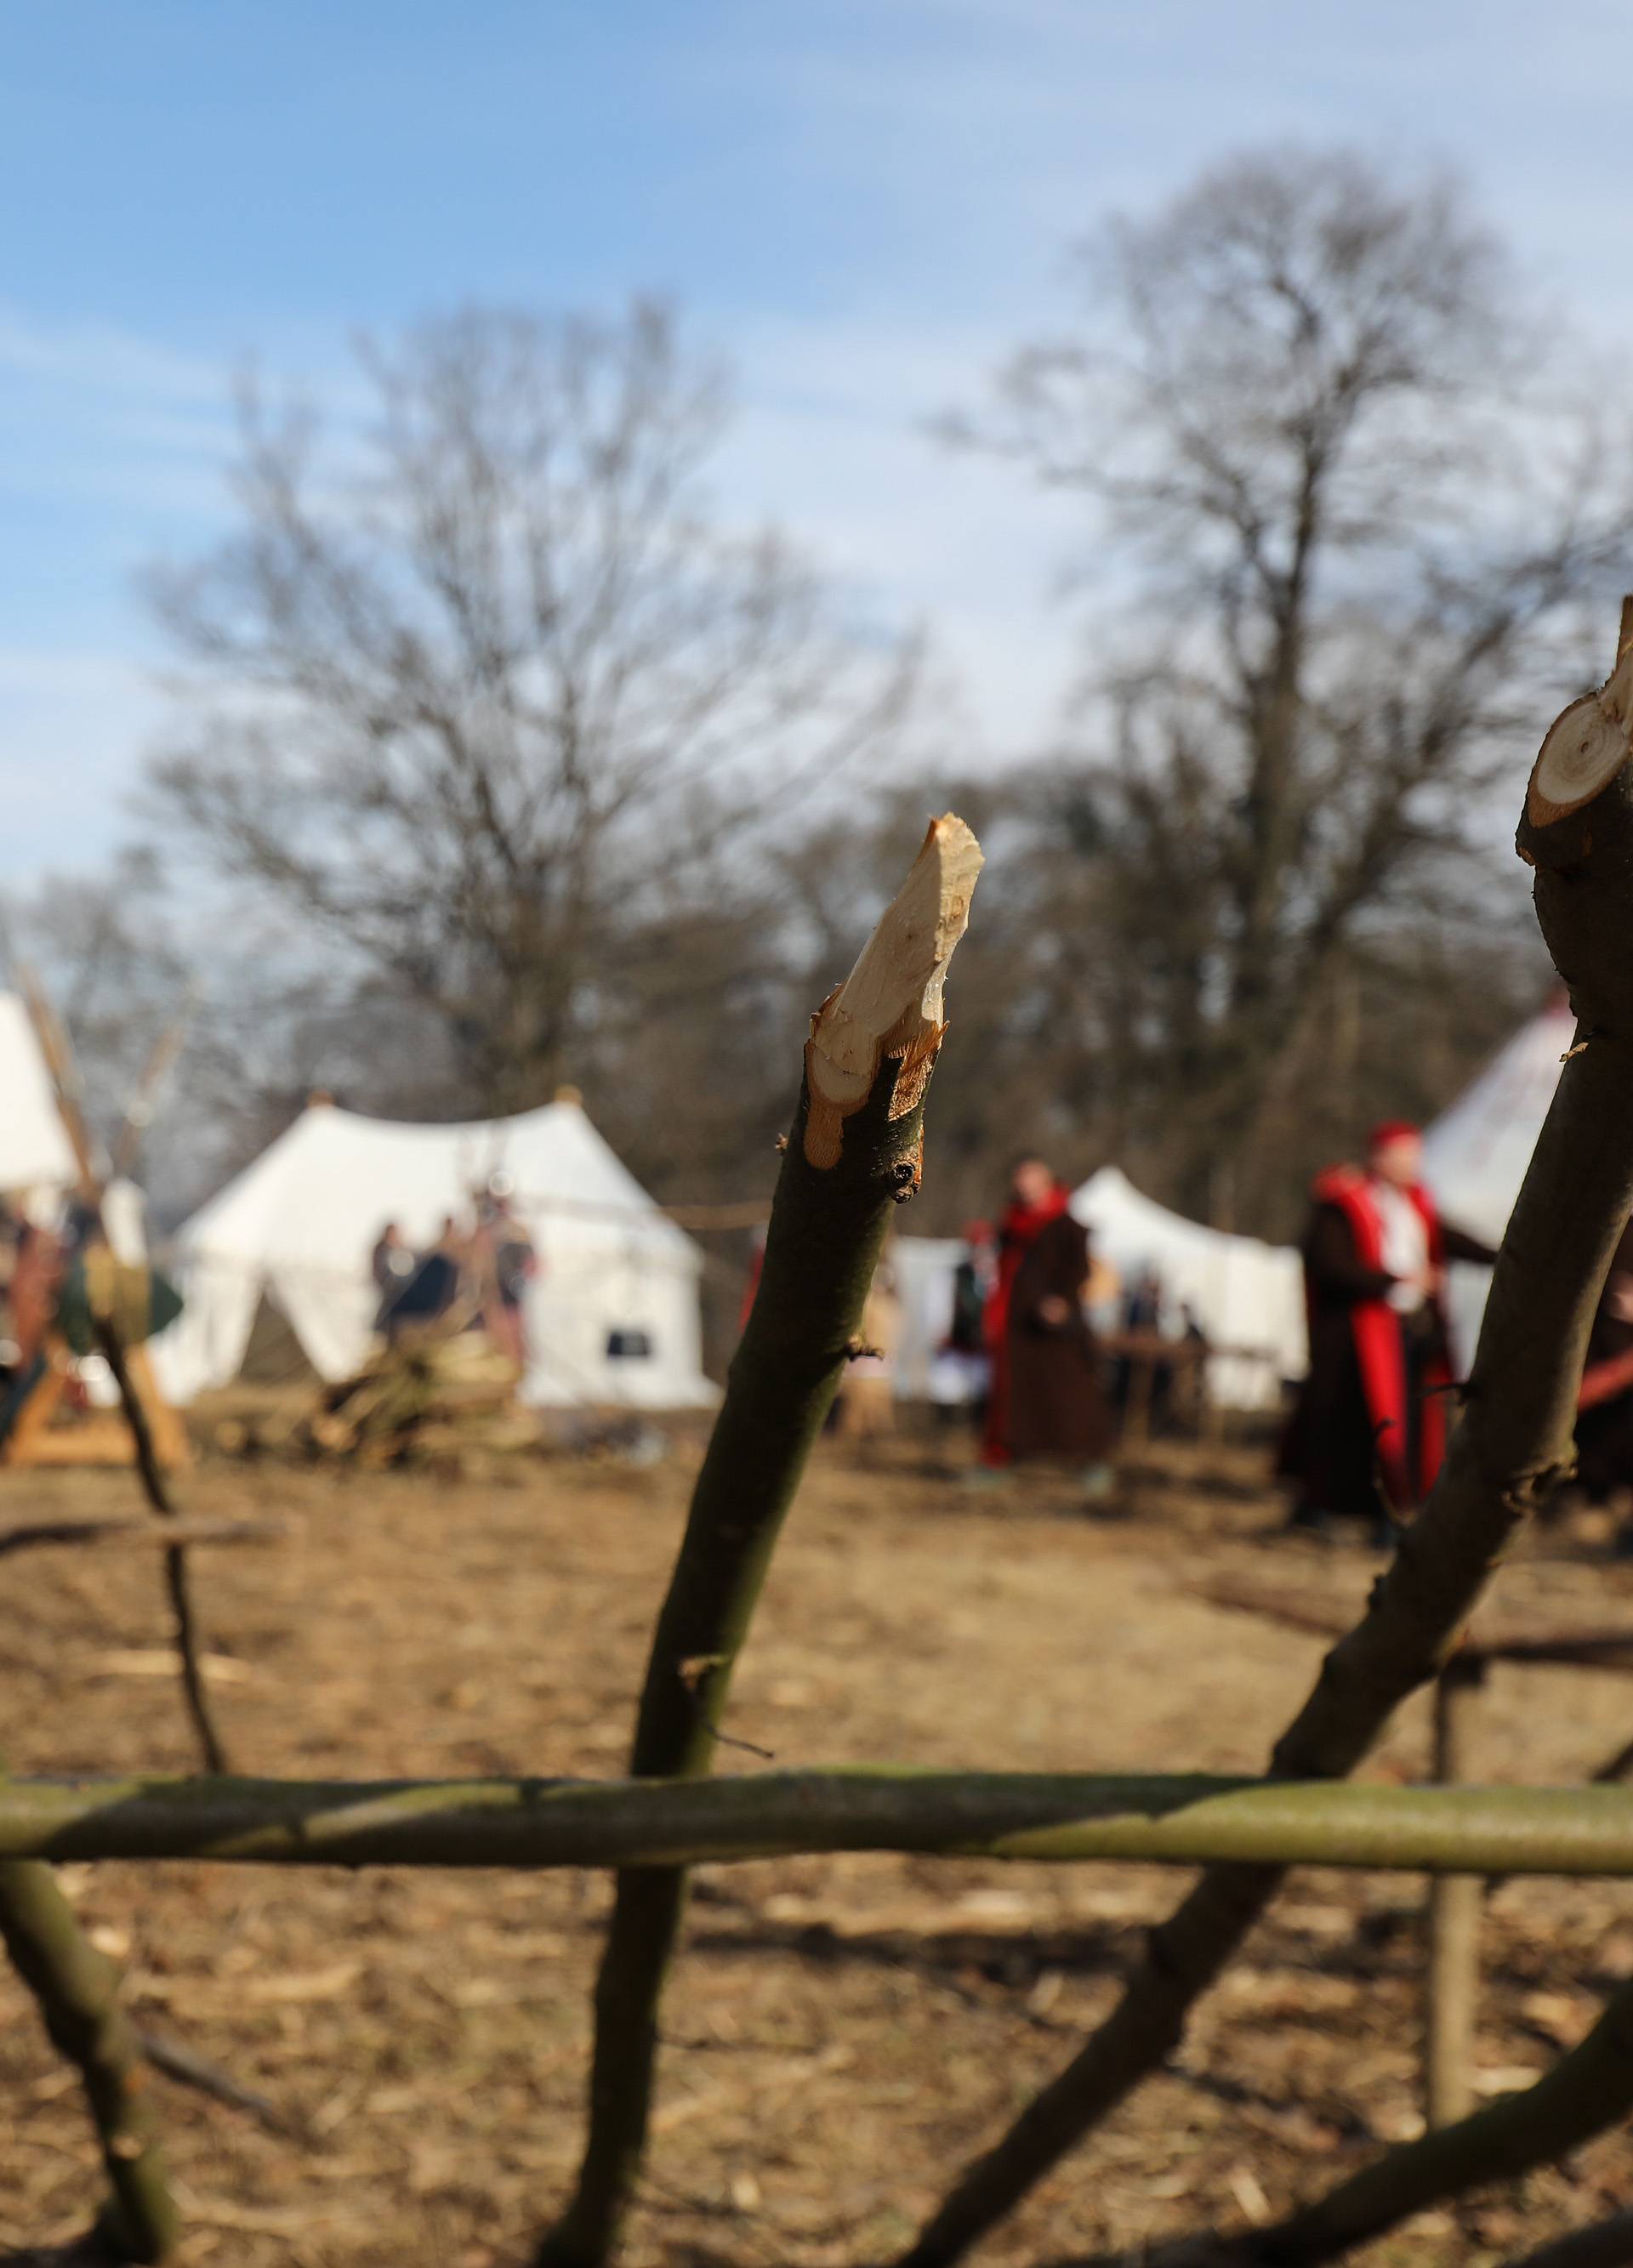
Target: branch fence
[854,1154]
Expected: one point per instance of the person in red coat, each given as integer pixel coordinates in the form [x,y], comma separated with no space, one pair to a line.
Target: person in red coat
[1045,1399]
[1367,1433]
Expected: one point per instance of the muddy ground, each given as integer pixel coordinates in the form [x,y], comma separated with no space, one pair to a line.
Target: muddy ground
[843,2032]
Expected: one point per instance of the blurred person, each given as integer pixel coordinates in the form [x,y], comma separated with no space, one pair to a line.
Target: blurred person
[1368,1432]
[1045,1400]
[432,1290]
[961,1367]
[391,1263]
[1142,1378]
[503,1263]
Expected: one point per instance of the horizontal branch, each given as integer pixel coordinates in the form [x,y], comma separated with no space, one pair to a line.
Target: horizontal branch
[140,1530]
[1181,1820]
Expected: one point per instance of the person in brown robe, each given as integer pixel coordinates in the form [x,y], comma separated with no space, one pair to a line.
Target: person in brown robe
[1045,1400]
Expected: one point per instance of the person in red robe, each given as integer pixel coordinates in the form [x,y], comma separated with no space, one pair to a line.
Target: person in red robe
[1368,1432]
[1044,1398]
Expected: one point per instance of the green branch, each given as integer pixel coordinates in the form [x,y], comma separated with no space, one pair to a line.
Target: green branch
[1514,1442]
[1586,2092]
[658,1827]
[852,1154]
[77,1988]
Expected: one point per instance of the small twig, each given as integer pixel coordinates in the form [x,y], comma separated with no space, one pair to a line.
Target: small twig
[749,1747]
[190,2069]
[1613,1769]
[176,1581]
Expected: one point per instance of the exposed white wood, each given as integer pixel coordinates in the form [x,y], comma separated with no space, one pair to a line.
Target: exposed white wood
[1588,743]
[890,1004]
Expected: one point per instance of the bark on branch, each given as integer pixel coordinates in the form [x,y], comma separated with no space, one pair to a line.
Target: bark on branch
[76,1988]
[1515,1441]
[1178,1819]
[1586,2092]
[854,1151]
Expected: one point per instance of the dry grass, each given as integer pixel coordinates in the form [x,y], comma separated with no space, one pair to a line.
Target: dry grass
[842,2031]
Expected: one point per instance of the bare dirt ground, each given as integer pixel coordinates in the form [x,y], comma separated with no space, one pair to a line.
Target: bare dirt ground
[843,2032]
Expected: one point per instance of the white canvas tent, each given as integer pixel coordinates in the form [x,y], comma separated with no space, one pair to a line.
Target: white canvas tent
[298,1225]
[1245,1294]
[37,1161]
[1475,1153]
[35,1152]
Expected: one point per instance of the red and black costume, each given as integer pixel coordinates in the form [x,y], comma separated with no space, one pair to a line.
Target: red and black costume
[1371,1414]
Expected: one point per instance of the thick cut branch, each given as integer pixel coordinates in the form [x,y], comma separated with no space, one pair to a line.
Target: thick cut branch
[663,1825]
[76,1988]
[1584,747]
[1515,1441]
[854,1150]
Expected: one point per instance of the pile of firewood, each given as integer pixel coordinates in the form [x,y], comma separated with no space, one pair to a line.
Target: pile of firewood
[441,1398]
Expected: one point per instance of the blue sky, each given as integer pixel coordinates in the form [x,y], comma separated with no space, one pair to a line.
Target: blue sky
[861,205]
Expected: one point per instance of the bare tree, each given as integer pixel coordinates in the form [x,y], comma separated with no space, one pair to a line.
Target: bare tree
[107,945]
[1357,517]
[489,692]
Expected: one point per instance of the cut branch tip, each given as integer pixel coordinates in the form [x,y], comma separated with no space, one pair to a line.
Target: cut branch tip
[890,1004]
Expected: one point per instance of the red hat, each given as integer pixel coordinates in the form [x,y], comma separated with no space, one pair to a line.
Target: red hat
[1391,1130]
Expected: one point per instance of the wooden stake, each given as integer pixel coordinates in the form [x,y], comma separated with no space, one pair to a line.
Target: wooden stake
[147,1447]
[1455,1903]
